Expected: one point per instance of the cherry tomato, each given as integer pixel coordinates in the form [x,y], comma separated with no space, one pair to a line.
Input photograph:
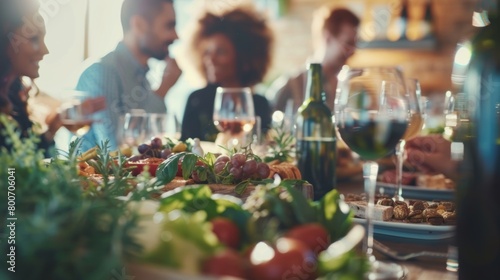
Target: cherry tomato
[226,263]
[226,231]
[313,235]
[287,259]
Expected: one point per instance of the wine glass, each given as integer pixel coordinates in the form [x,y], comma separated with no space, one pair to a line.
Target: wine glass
[134,128]
[74,115]
[371,113]
[415,125]
[234,114]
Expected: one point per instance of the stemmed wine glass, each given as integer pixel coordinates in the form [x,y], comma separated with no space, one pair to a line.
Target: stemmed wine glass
[74,115]
[414,127]
[371,112]
[134,128]
[234,114]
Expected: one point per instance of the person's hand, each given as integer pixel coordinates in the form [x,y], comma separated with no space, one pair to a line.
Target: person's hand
[170,76]
[92,105]
[431,154]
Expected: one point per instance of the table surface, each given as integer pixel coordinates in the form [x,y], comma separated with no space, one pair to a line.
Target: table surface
[421,268]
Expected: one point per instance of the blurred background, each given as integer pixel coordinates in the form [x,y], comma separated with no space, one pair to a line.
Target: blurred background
[419,35]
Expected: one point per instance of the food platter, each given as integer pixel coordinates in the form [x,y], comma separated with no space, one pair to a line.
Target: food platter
[411,231]
[417,192]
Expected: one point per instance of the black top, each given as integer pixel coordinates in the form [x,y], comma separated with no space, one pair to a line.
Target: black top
[20,114]
[198,114]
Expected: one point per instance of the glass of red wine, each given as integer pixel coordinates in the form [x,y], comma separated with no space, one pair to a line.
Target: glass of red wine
[73,115]
[371,113]
[234,115]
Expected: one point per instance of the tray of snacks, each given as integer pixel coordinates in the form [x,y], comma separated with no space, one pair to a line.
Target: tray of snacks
[418,186]
[411,219]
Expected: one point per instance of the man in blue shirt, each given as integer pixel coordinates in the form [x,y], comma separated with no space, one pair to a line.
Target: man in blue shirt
[120,76]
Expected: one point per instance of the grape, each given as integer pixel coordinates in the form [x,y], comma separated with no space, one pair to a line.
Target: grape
[219,167]
[156,143]
[222,158]
[135,158]
[236,172]
[165,153]
[238,159]
[143,148]
[249,167]
[263,170]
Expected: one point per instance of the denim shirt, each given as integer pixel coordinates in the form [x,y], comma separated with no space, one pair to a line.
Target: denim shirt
[122,80]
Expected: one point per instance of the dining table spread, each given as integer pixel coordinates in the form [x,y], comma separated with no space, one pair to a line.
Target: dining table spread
[421,268]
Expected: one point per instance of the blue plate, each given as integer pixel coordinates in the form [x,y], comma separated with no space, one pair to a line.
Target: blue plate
[417,192]
[410,231]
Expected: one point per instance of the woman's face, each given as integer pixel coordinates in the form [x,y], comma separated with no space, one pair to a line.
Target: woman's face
[27,47]
[219,61]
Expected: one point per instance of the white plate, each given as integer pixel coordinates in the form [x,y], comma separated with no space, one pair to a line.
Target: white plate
[418,192]
[411,231]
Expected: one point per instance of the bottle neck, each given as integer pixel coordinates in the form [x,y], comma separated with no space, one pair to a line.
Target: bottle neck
[314,89]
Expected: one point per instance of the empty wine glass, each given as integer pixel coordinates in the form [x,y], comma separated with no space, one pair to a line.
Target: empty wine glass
[414,127]
[234,114]
[156,125]
[73,114]
[135,125]
[371,114]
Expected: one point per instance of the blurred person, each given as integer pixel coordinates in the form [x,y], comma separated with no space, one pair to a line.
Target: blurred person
[120,76]
[231,49]
[22,47]
[335,32]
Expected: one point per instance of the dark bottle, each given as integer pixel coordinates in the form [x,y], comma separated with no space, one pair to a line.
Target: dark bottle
[478,191]
[315,134]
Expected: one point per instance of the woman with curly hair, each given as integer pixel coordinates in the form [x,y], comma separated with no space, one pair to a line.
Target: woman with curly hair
[232,49]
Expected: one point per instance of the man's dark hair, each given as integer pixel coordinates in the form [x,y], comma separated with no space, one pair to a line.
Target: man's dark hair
[147,9]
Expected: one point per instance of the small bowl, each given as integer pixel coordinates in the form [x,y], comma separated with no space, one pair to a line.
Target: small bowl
[150,163]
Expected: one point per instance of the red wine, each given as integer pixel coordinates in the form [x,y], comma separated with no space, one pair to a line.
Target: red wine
[372,140]
[235,126]
[316,162]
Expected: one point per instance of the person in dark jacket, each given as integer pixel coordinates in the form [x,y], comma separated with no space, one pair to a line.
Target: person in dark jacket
[229,49]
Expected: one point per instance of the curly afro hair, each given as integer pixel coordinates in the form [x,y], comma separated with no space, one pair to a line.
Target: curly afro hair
[250,35]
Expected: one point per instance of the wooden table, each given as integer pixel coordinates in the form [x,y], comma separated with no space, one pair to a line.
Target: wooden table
[421,268]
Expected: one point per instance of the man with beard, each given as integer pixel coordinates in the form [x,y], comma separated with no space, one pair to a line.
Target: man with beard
[120,76]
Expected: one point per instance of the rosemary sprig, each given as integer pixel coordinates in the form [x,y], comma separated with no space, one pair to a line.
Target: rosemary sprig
[63,229]
[282,148]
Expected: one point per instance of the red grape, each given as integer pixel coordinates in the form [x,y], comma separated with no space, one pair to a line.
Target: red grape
[219,167]
[135,158]
[222,158]
[156,143]
[249,167]
[263,170]
[238,159]
[236,172]
[143,148]
[165,153]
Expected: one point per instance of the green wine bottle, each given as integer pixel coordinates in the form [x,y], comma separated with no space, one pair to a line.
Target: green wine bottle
[478,192]
[315,134]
